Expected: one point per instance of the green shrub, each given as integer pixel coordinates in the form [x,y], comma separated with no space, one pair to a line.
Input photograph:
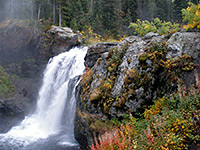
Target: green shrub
[6,86]
[141,28]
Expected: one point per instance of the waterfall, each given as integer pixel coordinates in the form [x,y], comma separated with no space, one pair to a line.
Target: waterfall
[56,102]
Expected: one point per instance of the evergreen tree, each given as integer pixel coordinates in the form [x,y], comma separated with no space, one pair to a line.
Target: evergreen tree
[109,15]
[97,25]
[163,10]
[66,13]
[73,24]
[97,16]
[178,6]
[54,10]
[46,9]
[81,13]
[129,8]
[146,9]
[41,9]
[194,1]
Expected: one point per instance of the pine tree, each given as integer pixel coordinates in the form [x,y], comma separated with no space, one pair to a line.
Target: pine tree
[59,3]
[129,8]
[146,9]
[163,10]
[66,13]
[178,6]
[46,10]
[109,15]
[80,12]
[73,24]
[97,25]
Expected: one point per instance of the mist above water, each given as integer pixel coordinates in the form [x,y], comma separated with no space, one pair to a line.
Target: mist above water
[17,9]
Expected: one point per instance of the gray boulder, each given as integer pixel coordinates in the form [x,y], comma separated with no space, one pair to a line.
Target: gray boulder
[64,37]
[184,43]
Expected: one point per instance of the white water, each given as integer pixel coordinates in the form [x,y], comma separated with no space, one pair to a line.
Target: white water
[55,104]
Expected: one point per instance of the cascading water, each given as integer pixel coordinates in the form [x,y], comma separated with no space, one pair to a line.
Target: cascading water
[54,115]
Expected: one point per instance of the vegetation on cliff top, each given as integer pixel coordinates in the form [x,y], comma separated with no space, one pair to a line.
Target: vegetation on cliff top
[141,28]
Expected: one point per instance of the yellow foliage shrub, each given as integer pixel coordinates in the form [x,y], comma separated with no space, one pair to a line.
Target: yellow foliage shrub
[192,16]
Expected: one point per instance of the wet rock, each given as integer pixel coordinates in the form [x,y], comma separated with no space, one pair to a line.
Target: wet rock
[10,114]
[82,133]
[9,108]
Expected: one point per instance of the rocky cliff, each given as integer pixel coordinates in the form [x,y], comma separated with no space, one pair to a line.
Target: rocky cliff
[125,77]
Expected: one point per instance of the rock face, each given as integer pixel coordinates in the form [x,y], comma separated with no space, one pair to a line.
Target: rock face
[13,109]
[125,77]
[20,57]
[18,49]
[130,60]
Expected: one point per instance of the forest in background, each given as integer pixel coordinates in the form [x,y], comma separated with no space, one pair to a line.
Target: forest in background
[108,18]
